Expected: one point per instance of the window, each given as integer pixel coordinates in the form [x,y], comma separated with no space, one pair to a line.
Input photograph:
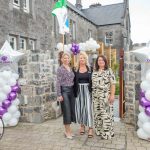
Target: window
[13,42]
[32,44]
[16,3]
[109,38]
[89,33]
[73,29]
[26,5]
[23,43]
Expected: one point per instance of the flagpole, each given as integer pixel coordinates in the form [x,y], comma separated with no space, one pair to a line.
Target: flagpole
[63,41]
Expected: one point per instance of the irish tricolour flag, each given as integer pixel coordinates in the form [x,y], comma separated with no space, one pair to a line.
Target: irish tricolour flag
[60,11]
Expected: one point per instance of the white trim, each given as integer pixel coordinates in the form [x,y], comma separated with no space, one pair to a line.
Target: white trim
[26,6]
[23,43]
[16,5]
[32,44]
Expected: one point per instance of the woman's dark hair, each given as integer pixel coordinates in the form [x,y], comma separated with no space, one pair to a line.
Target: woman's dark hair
[104,59]
[59,57]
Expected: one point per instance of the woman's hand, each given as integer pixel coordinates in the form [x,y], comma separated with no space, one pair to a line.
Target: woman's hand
[111,99]
[60,98]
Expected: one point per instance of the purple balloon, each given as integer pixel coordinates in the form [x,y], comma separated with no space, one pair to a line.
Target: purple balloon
[77,47]
[6,104]
[144,102]
[147,111]
[2,111]
[15,88]
[12,96]
[72,49]
[75,53]
[73,44]
[142,93]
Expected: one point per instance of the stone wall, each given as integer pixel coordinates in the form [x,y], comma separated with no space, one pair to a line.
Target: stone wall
[37,80]
[132,78]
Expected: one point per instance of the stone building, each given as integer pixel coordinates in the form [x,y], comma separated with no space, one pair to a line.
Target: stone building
[29,26]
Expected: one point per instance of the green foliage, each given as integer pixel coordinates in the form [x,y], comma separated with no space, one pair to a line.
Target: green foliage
[117,88]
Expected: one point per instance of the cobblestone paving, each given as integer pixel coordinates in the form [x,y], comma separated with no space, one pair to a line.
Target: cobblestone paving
[49,136]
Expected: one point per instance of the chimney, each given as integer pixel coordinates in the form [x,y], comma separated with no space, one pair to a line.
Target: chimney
[78,4]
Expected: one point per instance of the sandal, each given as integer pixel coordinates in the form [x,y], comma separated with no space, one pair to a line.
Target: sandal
[90,135]
[82,130]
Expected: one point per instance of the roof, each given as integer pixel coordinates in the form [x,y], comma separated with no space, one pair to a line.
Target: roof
[102,15]
[71,6]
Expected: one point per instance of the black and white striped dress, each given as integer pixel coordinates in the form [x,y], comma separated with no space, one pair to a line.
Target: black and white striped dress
[83,104]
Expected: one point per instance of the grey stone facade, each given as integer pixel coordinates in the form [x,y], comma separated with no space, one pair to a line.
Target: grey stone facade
[132,78]
[38,69]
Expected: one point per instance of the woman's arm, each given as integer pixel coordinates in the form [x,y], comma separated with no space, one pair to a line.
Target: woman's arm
[112,94]
[58,85]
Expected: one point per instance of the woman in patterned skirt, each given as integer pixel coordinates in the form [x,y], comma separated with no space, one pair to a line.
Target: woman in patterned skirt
[82,90]
[65,82]
[103,90]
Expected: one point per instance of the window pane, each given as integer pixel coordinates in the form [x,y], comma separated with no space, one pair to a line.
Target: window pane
[13,42]
[26,5]
[109,38]
[23,43]
[32,44]
[16,1]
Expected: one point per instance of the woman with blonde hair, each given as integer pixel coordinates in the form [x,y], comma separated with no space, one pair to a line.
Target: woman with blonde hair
[65,82]
[82,91]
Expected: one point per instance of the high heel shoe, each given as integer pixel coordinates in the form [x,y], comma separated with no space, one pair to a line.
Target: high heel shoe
[82,130]
[90,134]
[68,136]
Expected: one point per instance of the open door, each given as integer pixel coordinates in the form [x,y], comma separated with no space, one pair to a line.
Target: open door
[121,84]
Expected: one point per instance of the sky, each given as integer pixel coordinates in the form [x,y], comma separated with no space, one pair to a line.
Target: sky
[139,17]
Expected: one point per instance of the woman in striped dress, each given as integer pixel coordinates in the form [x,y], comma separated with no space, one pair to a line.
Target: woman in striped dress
[103,90]
[82,91]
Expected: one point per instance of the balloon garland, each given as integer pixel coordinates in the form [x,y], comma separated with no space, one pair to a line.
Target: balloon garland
[9,87]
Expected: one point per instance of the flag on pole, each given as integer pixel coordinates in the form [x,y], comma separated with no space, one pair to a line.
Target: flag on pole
[60,11]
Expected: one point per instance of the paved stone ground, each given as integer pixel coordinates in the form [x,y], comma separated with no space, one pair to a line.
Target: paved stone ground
[49,136]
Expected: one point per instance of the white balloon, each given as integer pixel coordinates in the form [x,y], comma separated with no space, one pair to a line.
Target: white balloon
[60,46]
[6,89]
[16,114]
[141,134]
[69,46]
[12,109]
[2,82]
[6,117]
[1,125]
[141,109]
[145,85]
[12,82]
[146,128]
[6,75]
[140,124]
[147,95]
[143,117]
[13,122]
[3,96]
[15,75]
[148,76]
[16,102]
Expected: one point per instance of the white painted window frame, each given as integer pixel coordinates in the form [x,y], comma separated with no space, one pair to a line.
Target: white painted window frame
[14,40]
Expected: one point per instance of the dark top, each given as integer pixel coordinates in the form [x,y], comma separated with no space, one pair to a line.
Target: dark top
[82,78]
[64,78]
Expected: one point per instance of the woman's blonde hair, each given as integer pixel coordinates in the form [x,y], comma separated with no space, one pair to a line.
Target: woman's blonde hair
[86,59]
[66,54]
[61,55]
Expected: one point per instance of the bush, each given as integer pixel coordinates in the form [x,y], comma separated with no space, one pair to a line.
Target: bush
[117,88]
